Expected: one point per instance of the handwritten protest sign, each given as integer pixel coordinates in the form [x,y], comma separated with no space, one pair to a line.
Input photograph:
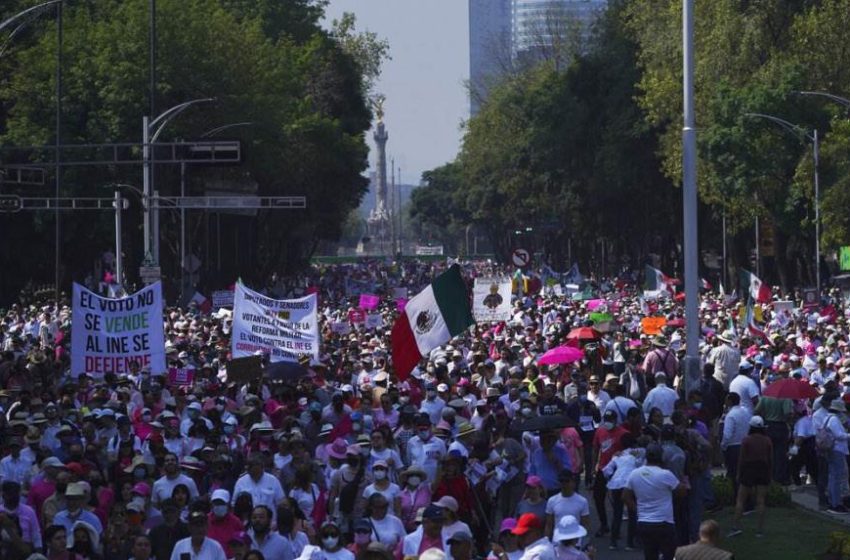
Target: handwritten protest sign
[652,325]
[111,334]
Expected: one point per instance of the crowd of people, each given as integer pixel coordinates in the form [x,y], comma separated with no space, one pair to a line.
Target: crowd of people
[479,452]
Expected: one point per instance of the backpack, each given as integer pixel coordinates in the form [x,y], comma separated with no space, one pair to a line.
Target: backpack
[349,492]
[824,439]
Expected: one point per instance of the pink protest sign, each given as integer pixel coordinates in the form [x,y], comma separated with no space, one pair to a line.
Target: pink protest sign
[594,303]
[369,301]
[180,376]
[356,316]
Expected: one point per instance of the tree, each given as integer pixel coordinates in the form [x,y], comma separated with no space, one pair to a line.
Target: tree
[266,62]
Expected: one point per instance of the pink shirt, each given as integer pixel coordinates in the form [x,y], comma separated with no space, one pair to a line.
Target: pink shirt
[430,542]
[411,502]
[39,492]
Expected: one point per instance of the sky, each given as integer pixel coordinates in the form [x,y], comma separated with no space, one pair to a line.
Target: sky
[426,99]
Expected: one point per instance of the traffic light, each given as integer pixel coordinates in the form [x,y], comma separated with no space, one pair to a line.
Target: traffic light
[10,203]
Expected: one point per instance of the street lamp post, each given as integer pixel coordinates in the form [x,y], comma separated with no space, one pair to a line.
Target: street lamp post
[689,206]
[813,138]
[149,138]
[815,143]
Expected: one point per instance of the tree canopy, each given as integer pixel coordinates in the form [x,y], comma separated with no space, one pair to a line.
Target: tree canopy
[304,91]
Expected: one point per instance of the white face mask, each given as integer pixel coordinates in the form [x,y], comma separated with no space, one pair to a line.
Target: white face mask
[220,510]
[380,474]
[526,411]
[330,542]
[413,481]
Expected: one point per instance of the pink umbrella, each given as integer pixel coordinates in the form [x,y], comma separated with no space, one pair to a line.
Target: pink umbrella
[561,355]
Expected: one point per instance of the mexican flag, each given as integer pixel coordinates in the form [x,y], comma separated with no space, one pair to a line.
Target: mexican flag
[431,318]
[656,280]
[752,285]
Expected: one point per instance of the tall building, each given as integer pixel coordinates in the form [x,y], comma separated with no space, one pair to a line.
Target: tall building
[541,24]
[506,32]
[489,46]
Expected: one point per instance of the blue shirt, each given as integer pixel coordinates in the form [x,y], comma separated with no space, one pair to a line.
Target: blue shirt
[65,519]
[547,472]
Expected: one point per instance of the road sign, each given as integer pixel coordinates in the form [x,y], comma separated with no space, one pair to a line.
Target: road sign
[10,203]
[520,258]
[150,274]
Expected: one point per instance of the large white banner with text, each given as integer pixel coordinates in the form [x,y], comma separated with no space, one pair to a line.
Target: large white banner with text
[284,329]
[108,335]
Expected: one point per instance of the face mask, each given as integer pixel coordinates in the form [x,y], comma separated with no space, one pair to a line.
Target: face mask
[219,407]
[608,425]
[413,481]
[219,510]
[380,474]
[362,538]
[403,400]
[146,418]
[140,472]
[356,427]
[526,411]
[424,434]
[228,429]
[523,394]
[330,542]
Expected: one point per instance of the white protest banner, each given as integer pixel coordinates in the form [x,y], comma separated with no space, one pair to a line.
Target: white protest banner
[374,321]
[222,298]
[491,299]
[110,334]
[283,329]
[341,328]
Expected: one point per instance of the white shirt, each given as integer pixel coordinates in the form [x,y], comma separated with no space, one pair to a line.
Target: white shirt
[210,550]
[388,530]
[426,454]
[266,492]
[541,549]
[736,425]
[746,389]
[804,427]
[653,488]
[17,470]
[726,360]
[433,409]
[164,486]
[620,405]
[662,397]
[620,467]
[834,425]
[575,505]
[600,399]
[273,546]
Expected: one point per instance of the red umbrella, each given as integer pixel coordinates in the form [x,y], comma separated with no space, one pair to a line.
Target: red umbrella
[561,355]
[790,389]
[584,333]
[676,323]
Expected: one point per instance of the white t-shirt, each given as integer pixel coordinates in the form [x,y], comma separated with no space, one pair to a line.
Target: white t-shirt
[267,492]
[305,499]
[390,493]
[341,554]
[746,389]
[575,505]
[653,488]
[164,486]
[388,530]
[210,550]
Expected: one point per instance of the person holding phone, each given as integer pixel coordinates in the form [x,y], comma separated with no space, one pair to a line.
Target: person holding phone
[198,546]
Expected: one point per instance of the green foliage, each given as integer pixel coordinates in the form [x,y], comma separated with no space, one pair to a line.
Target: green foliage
[724,491]
[265,61]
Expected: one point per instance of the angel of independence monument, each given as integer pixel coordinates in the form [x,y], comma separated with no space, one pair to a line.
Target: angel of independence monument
[380,218]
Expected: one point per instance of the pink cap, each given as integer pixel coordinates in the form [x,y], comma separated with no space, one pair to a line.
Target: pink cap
[142,489]
[534,480]
[508,524]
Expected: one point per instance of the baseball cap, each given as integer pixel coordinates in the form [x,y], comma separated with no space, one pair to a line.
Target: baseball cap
[142,489]
[220,494]
[527,522]
[447,502]
[534,480]
[460,537]
[433,512]
[508,524]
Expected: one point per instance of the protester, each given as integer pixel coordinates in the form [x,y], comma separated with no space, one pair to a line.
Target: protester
[440,461]
[754,472]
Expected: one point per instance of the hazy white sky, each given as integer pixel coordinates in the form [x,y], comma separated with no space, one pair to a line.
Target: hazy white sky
[424,81]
